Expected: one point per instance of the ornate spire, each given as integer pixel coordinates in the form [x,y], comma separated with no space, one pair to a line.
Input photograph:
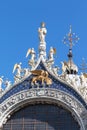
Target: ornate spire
[70,39]
[42,45]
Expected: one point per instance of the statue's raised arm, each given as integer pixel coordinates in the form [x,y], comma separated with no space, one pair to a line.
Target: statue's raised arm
[42,32]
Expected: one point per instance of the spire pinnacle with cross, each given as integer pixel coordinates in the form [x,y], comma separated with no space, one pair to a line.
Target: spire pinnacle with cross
[70,39]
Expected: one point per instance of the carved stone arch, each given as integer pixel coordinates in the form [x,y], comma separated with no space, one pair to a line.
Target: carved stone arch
[42,96]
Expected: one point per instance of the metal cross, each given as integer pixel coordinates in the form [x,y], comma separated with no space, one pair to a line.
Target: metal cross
[70,39]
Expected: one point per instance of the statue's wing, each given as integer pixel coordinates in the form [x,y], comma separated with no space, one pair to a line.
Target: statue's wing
[85,75]
[65,63]
[15,66]
[54,49]
[37,72]
[28,52]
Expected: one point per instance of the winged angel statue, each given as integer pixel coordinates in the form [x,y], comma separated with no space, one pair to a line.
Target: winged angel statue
[32,53]
[40,76]
[1,81]
[50,60]
[51,53]
[17,68]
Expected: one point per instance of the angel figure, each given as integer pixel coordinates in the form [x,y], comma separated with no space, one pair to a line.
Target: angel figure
[32,53]
[83,79]
[56,70]
[17,68]
[7,84]
[51,53]
[50,60]
[1,81]
[42,32]
[26,72]
[64,67]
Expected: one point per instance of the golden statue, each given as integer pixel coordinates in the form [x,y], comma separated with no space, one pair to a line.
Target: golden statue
[42,76]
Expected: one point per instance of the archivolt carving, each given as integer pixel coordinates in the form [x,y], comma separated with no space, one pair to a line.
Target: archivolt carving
[43,94]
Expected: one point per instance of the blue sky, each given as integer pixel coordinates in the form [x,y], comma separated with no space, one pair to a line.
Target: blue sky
[19,22]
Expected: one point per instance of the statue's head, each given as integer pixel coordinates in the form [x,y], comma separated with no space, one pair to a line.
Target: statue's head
[42,24]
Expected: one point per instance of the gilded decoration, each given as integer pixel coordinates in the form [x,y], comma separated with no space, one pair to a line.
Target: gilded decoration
[42,76]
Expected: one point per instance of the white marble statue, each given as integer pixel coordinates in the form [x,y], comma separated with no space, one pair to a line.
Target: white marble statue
[55,70]
[67,66]
[50,60]
[1,81]
[7,84]
[64,67]
[42,33]
[51,53]
[26,72]
[31,52]
[17,68]
[83,79]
